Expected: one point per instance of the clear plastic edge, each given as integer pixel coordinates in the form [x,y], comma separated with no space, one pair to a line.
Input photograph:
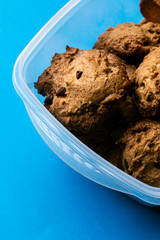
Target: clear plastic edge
[146,202]
[28,97]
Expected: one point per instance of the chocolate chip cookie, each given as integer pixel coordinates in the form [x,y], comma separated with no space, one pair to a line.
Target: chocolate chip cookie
[138,152]
[84,87]
[128,41]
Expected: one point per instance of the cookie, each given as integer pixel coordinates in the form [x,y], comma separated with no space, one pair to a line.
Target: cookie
[138,152]
[147,82]
[128,41]
[84,87]
[150,9]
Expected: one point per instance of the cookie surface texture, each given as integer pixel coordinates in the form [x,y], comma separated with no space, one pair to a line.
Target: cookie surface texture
[84,85]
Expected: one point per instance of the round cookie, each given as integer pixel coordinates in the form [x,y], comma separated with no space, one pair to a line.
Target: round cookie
[147,82]
[150,9]
[83,87]
[128,41]
[138,152]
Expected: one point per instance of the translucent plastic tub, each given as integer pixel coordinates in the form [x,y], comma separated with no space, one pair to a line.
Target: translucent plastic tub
[78,24]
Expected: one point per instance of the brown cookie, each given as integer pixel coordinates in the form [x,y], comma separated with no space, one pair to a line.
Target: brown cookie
[150,9]
[128,41]
[84,87]
[138,152]
[147,81]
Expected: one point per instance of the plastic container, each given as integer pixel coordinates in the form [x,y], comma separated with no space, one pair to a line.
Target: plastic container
[77,24]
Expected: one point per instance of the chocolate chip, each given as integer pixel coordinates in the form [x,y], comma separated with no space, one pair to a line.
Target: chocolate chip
[151,31]
[157,82]
[157,164]
[154,75]
[47,73]
[151,145]
[126,164]
[126,46]
[78,74]
[48,100]
[142,84]
[61,92]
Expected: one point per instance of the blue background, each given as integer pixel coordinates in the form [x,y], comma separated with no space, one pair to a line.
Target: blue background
[41,198]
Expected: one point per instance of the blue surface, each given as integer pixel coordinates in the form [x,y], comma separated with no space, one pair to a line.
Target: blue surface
[41,198]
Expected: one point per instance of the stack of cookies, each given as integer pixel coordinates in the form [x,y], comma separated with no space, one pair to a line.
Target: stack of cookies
[109,97]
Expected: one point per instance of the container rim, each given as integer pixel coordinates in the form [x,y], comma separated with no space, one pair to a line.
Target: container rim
[28,97]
